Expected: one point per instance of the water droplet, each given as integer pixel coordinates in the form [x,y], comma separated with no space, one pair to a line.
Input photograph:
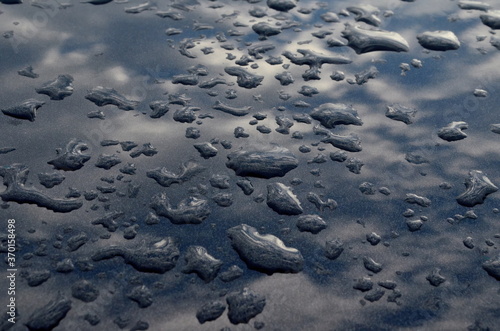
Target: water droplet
[232,273]
[281,5]
[25,110]
[28,72]
[311,223]
[282,200]
[265,253]
[366,13]
[418,200]
[473,5]
[373,238]
[246,186]
[414,225]
[364,41]
[363,284]
[244,78]
[435,278]
[50,180]
[231,110]
[158,257]
[314,61]
[165,178]
[330,17]
[265,30]
[200,262]
[374,295]
[210,311]
[371,265]
[140,8]
[49,316]
[492,267]
[191,210]
[84,290]
[264,162]
[102,96]
[15,176]
[469,242]
[478,187]
[354,165]
[57,89]
[491,19]
[142,295]
[438,40]
[37,277]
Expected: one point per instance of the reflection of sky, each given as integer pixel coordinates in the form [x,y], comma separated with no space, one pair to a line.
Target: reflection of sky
[127,52]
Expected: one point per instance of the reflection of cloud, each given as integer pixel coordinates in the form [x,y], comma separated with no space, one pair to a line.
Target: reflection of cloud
[118,75]
[127,52]
[389,92]
[418,9]
[55,58]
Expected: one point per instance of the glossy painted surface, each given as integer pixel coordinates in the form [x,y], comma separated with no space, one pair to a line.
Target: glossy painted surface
[179,122]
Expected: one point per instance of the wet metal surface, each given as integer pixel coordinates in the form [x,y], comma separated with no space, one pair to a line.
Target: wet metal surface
[240,165]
